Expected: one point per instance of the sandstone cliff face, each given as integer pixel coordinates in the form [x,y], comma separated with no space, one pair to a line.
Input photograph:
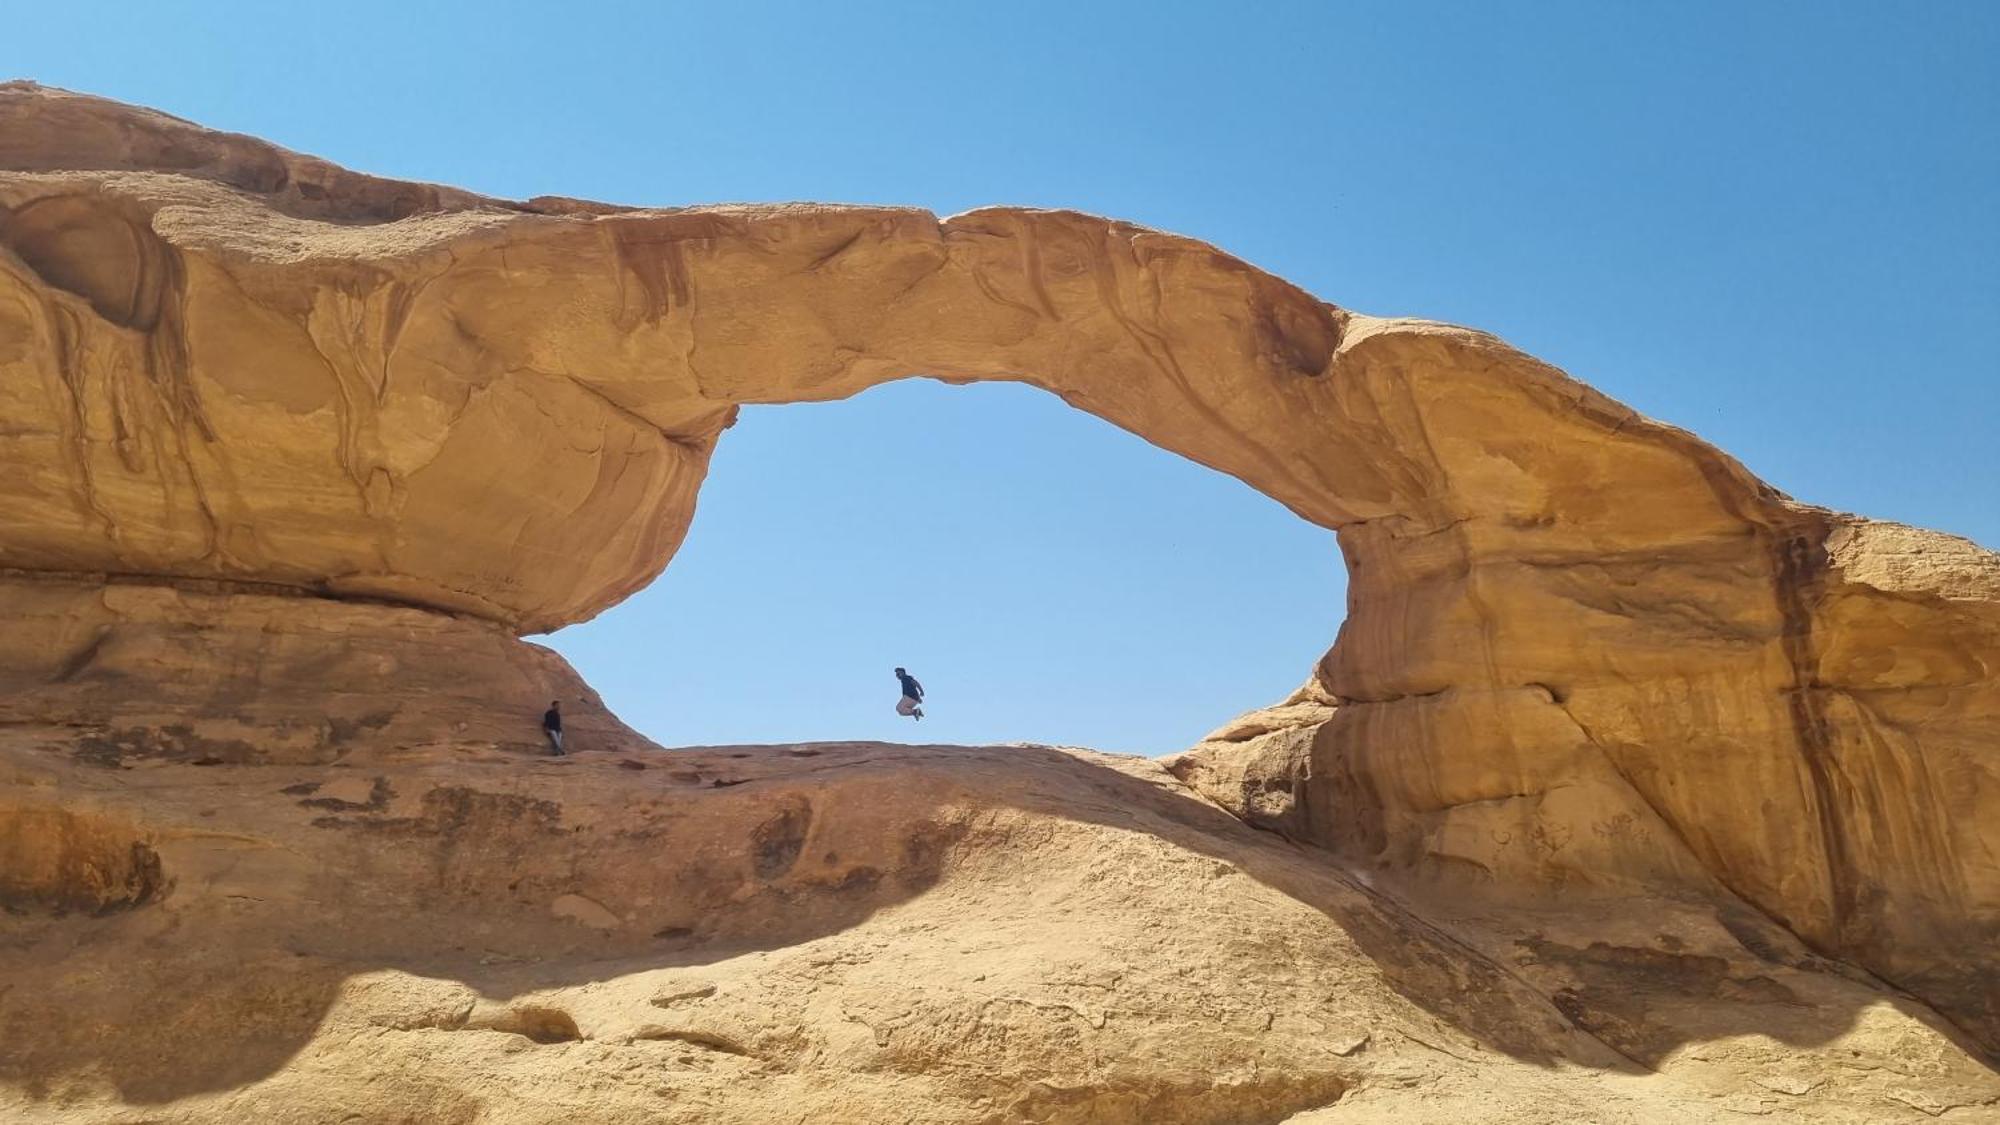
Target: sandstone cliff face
[1585,652]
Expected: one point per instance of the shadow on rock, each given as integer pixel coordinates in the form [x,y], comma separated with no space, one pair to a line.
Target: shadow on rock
[273,887]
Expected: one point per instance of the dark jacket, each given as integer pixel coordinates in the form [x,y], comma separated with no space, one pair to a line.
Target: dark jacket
[911,688]
[552,719]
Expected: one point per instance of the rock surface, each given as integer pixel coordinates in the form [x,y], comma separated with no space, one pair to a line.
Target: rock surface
[289,455]
[853,932]
[1259,765]
[130,671]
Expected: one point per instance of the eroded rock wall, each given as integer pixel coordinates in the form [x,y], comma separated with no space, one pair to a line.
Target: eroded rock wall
[118,673]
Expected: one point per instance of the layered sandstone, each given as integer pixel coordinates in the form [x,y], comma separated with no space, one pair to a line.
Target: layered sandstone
[131,671]
[264,420]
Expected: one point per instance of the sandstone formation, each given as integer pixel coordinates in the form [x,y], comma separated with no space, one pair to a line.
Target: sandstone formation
[290,455]
[139,671]
[843,933]
[1258,765]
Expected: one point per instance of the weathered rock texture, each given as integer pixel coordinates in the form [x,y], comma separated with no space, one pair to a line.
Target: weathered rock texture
[199,672]
[1259,765]
[1585,652]
[843,933]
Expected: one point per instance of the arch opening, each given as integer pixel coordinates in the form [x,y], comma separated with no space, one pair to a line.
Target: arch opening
[1050,579]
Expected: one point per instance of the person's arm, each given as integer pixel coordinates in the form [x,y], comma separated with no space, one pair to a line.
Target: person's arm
[919,687]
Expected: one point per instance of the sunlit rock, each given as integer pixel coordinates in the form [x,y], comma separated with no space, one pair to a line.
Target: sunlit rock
[290,456]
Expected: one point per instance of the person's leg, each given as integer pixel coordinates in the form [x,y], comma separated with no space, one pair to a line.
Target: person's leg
[555,741]
[906,706]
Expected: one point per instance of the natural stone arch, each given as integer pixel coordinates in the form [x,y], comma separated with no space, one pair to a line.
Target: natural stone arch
[1570,627]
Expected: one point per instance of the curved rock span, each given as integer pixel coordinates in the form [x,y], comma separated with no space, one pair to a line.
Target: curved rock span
[290,455]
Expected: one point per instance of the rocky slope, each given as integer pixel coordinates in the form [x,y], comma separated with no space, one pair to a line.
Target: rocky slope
[854,932]
[290,456]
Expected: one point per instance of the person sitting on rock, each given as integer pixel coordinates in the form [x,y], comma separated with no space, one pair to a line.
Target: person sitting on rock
[913,696]
[552,725]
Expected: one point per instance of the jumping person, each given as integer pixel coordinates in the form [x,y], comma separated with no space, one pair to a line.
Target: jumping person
[913,696]
[552,725]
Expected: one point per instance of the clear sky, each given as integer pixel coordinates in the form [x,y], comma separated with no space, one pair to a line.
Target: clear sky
[1777,224]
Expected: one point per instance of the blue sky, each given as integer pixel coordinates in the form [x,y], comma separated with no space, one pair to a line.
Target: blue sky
[1773,223]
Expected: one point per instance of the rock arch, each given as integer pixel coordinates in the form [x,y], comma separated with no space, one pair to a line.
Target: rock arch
[1581,645]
